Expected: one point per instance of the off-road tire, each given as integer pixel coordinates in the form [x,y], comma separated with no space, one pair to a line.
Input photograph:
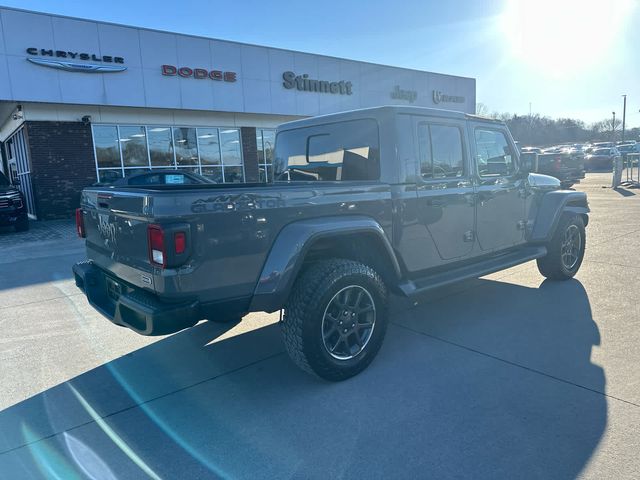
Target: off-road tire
[303,316]
[552,266]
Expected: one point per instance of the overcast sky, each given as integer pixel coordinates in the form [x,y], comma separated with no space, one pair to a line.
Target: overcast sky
[568,58]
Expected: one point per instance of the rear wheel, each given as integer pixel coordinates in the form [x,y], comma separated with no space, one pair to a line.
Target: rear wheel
[565,250]
[335,319]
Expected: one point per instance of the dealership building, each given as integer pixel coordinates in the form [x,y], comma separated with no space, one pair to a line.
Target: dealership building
[84,101]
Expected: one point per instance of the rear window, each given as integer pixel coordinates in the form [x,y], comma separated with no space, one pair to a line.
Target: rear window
[344,151]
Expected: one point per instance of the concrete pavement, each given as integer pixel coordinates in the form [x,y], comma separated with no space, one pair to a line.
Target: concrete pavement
[507,376]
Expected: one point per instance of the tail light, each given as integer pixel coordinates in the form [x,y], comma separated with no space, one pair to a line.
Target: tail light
[180,242]
[80,223]
[157,252]
[557,162]
[168,244]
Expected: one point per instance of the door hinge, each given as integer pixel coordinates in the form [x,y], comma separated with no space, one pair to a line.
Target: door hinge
[468,236]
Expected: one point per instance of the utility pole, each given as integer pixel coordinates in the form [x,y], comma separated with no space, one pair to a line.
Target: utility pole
[624,114]
[613,127]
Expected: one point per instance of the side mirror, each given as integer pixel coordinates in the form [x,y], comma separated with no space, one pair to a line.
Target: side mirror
[528,162]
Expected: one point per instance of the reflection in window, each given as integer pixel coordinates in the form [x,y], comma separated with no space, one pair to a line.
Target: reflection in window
[230,141]
[134,171]
[214,152]
[214,173]
[209,146]
[133,141]
[348,151]
[265,141]
[109,175]
[105,140]
[233,175]
[440,151]
[493,154]
[160,146]
[186,146]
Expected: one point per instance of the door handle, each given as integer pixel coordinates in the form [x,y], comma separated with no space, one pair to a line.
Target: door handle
[436,203]
[464,184]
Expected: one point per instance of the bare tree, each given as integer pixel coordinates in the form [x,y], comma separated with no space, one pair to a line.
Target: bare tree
[482,109]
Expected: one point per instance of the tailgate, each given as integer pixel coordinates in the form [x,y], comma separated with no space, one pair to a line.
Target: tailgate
[116,234]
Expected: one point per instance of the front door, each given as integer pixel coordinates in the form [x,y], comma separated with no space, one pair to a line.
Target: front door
[444,189]
[500,202]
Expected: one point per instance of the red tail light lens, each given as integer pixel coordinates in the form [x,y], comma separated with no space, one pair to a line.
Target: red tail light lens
[157,253]
[558,162]
[180,242]
[80,223]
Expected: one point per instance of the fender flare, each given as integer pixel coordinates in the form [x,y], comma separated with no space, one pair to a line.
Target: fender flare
[552,207]
[288,252]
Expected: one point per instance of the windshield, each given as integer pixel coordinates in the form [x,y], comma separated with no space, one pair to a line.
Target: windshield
[4,181]
[602,151]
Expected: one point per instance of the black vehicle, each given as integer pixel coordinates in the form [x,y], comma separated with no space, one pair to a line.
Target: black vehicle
[602,158]
[13,208]
[567,164]
[364,203]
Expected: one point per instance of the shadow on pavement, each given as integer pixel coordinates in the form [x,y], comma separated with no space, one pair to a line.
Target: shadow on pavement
[482,384]
[624,192]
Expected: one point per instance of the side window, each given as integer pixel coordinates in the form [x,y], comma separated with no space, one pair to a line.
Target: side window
[345,151]
[441,153]
[494,155]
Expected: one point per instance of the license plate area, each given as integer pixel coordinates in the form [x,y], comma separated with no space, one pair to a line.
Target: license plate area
[114,289]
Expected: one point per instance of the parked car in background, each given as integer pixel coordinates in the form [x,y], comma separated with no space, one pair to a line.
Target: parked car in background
[563,162]
[13,208]
[158,177]
[627,148]
[537,150]
[601,158]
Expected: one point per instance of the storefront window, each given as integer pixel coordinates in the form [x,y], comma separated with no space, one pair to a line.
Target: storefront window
[186,146]
[133,141]
[209,146]
[160,146]
[265,140]
[128,149]
[109,175]
[230,140]
[105,140]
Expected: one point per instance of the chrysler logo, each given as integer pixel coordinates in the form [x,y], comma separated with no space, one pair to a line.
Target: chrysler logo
[77,67]
[66,60]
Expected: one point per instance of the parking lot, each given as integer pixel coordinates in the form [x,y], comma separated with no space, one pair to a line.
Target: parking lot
[507,376]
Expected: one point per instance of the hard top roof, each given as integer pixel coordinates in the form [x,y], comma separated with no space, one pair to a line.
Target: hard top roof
[382,112]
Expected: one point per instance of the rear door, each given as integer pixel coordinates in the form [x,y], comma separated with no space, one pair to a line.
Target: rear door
[500,202]
[444,187]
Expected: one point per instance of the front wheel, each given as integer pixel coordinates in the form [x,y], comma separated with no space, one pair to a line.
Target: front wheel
[565,250]
[335,319]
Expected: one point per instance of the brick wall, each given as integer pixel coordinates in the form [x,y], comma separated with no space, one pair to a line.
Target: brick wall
[250,154]
[62,164]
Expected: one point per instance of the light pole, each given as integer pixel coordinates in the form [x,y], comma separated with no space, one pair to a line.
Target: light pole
[613,127]
[624,114]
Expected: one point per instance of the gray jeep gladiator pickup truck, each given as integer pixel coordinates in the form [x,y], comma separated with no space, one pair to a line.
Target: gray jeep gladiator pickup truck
[363,203]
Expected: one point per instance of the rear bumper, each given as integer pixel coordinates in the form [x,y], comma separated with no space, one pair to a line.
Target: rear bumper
[133,307]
